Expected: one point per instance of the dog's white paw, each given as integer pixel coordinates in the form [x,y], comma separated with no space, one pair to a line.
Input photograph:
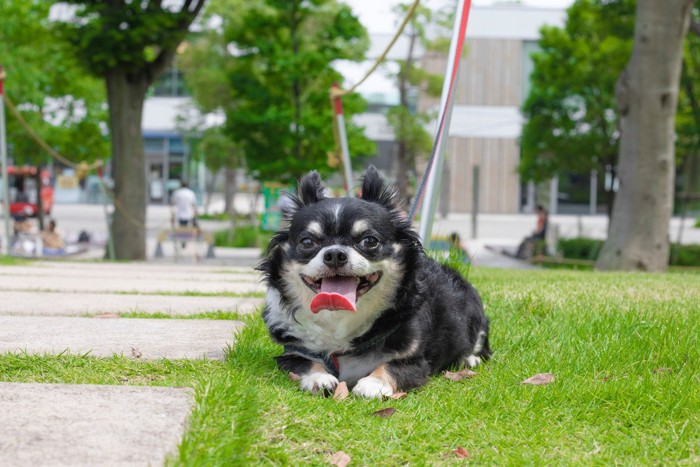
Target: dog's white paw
[371,388]
[318,381]
[472,361]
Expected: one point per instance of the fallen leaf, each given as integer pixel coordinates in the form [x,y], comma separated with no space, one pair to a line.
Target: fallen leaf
[385,413]
[460,375]
[294,376]
[399,395]
[107,315]
[341,391]
[461,452]
[660,371]
[136,353]
[340,459]
[540,378]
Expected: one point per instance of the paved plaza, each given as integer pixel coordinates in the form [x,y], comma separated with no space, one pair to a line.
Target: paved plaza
[51,308]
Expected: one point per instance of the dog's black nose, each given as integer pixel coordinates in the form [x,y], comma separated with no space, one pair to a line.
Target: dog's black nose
[335,258]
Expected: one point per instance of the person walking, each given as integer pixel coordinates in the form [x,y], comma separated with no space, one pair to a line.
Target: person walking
[184,202]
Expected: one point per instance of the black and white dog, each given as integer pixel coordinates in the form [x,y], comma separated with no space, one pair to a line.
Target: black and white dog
[353,297]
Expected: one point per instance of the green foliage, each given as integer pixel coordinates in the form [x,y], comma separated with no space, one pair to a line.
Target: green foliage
[279,82]
[685,255]
[588,249]
[124,35]
[579,248]
[216,149]
[63,104]
[244,236]
[570,110]
[412,138]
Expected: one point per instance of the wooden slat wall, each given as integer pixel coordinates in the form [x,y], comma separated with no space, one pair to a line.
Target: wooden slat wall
[499,187]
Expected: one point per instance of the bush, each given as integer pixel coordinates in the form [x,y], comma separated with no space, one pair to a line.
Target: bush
[245,236]
[685,255]
[588,248]
[580,248]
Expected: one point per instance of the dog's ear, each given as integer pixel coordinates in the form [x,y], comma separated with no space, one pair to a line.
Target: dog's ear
[373,184]
[311,188]
[376,190]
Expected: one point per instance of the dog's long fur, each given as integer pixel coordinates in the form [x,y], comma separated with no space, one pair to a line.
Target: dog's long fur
[417,319]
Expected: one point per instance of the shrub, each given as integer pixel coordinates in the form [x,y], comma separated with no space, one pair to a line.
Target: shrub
[588,248]
[579,248]
[245,236]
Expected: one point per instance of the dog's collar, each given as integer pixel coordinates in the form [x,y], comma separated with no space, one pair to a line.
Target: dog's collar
[330,359]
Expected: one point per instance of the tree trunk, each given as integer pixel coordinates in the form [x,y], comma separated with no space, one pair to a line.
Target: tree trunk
[229,191]
[126,94]
[647,95]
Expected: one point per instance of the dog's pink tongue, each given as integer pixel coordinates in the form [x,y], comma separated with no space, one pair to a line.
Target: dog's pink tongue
[337,293]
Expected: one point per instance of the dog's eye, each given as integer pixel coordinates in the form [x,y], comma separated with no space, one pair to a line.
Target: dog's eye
[307,243]
[370,242]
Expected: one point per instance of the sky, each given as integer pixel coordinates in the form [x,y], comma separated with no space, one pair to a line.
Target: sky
[378,17]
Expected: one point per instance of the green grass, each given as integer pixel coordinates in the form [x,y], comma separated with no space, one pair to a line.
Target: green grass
[623,347]
[12,261]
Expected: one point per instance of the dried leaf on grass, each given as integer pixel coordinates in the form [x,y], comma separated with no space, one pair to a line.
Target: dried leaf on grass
[385,413]
[460,375]
[341,391]
[461,452]
[399,395]
[539,379]
[136,353]
[294,376]
[340,459]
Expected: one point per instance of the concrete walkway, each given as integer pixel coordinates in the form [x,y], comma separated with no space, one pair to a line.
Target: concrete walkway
[43,307]
[87,425]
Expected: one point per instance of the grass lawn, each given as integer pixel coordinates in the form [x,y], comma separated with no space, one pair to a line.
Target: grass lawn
[623,347]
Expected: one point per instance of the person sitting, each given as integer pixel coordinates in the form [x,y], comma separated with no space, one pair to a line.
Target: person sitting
[525,249]
[52,240]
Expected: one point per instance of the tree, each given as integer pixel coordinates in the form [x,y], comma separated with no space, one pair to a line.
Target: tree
[129,44]
[62,103]
[647,95]
[279,82]
[412,138]
[570,109]
[204,62]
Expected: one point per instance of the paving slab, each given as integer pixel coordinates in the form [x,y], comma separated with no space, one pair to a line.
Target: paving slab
[79,304]
[126,284]
[88,425]
[107,269]
[141,338]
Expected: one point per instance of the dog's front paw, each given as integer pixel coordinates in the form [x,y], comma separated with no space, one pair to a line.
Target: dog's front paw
[318,381]
[371,388]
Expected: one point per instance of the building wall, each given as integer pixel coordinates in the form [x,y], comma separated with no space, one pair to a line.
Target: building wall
[489,85]
[499,187]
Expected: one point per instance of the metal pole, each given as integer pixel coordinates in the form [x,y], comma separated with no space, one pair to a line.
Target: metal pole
[3,159]
[427,211]
[343,137]
[475,200]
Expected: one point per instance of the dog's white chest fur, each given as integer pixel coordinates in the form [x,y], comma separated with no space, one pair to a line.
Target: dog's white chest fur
[327,331]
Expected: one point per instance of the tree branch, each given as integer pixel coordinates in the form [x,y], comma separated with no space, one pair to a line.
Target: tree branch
[157,66]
